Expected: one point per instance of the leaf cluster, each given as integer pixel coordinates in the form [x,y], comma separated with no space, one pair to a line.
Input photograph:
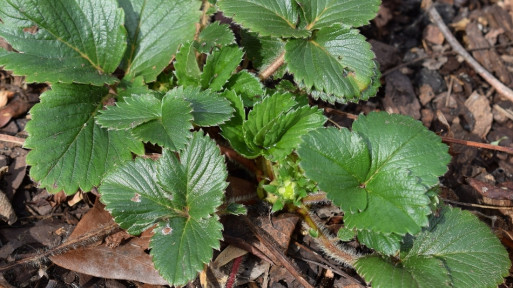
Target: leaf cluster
[128,73]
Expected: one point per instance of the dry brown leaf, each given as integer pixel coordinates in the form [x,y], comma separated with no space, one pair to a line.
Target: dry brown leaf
[15,108]
[480,108]
[128,261]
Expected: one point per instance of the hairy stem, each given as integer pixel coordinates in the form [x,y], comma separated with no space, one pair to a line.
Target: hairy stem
[326,242]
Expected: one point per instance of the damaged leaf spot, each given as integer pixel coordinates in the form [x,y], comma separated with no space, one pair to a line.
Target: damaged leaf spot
[136,198]
[167,230]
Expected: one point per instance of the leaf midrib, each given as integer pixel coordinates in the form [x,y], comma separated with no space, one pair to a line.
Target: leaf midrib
[59,39]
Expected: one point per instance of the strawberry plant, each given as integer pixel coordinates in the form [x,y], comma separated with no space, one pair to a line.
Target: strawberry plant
[128,72]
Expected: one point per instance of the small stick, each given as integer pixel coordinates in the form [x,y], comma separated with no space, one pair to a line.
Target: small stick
[477,205]
[82,241]
[487,76]
[273,67]
[478,145]
[12,139]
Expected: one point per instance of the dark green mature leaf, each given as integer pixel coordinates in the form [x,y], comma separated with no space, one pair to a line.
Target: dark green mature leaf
[247,86]
[383,188]
[421,152]
[423,273]
[267,17]
[133,196]
[208,108]
[337,60]
[324,13]
[181,247]
[155,30]
[69,151]
[180,195]
[219,67]
[213,35]
[75,41]
[341,164]
[275,126]
[186,67]
[164,122]
[385,244]
[457,250]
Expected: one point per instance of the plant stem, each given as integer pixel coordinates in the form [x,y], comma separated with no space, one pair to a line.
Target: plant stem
[273,67]
[327,243]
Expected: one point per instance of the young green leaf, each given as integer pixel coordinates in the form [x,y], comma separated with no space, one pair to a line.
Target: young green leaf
[214,35]
[186,67]
[456,244]
[247,86]
[74,41]
[155,30]
[69,151]
[219,67]
[132,112]
[208,108]
[232,130]
[379,173]
[181,196]
[275,126]
[337,60]
[267,17]
[325,13]
[164,122]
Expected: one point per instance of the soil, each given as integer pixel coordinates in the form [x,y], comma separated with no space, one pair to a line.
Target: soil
[422,77]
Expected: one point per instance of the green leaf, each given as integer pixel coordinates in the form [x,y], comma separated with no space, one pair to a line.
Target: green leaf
[208,108]
[171,129]
[324,13]
[472,254]
[132,112]
[133,196]
[164,122]
[186,67]
[421,151]
[387,244]
[275,128]
[219,67]
[181,253]
[456,244]
[232,130]
[263,51]
[75,41]
[213,35]
[345,234]
[180,195]
[69,151]
[267,17]
[384,273]
[379,173]
[247,86]
[155,30]
[336,60]
[197,180]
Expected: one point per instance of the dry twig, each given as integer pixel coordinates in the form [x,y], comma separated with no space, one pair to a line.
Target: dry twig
[456,46]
